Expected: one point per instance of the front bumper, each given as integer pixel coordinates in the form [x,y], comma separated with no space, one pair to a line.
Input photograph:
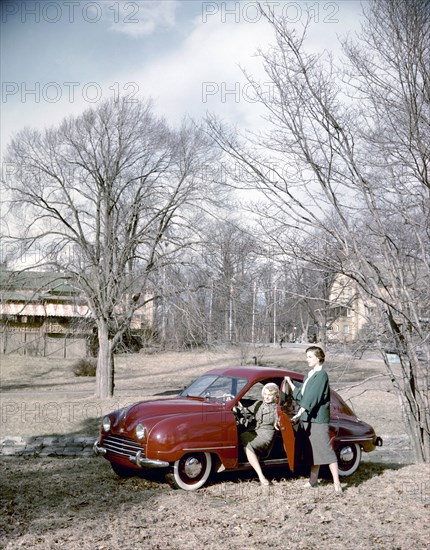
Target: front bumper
[137,459]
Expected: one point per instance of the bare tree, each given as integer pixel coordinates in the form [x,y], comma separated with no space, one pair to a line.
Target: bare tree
[227,260]
[346,158]
[102,193]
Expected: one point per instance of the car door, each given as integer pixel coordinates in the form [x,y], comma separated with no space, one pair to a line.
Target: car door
[285,411]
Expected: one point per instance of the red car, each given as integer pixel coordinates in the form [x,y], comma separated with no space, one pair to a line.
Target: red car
[196,433]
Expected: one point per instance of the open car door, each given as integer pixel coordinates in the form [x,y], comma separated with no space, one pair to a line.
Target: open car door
[288,435]
[285,412]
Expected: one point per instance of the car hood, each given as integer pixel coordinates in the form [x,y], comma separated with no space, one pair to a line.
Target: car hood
[146,410]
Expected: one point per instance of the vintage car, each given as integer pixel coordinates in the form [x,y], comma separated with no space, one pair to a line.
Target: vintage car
[196,433]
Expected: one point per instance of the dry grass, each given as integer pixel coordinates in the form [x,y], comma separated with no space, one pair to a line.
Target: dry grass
[79,504]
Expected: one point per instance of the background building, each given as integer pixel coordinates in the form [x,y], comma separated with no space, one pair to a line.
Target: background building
[43,313]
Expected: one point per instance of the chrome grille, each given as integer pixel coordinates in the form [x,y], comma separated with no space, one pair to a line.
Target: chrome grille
[121,445]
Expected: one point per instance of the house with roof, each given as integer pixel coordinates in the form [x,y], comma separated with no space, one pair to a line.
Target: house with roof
[42,313]
[45,313]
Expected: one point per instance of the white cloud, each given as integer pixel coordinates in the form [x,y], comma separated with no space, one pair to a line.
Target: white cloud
[142,18]
[204,74]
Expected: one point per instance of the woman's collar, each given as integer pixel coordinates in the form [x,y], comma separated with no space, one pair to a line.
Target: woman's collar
[315,369]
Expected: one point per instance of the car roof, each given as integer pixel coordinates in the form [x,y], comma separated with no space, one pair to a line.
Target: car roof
[255,372]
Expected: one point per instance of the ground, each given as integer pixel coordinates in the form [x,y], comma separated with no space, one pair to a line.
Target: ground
[79,503]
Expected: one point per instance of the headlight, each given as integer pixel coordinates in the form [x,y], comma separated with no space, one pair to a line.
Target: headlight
[106,424]
[140,431]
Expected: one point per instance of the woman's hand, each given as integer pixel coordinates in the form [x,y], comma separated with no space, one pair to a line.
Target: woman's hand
[290,383]
[297,416]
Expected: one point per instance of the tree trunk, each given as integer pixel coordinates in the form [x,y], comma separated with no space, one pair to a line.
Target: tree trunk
[412,389]
[416,426]
[104,376]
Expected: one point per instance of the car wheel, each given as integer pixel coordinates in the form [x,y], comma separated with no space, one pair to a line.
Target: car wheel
[192,471]
[122,471]
[348,458]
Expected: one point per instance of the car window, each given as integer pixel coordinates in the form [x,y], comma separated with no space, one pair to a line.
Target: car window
[215,386]
[254,392]
[219,387]
[198,387]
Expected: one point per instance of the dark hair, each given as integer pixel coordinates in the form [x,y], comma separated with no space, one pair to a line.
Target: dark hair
[318,352]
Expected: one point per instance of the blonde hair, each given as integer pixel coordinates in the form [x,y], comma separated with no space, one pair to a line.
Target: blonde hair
[271,387]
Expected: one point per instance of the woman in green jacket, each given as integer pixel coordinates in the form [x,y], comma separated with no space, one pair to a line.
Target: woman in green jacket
[313,397]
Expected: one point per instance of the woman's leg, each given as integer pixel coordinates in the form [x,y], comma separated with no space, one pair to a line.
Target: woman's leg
[335,474]
[255,463]
[313,478]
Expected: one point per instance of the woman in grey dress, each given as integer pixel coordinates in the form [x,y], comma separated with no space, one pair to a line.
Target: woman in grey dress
[313,397]
[258,440]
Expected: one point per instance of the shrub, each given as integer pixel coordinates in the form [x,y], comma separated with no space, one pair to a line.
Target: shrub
[85,367]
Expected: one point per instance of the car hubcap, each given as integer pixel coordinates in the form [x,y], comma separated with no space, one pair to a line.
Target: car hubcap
[346,454]
[193,467]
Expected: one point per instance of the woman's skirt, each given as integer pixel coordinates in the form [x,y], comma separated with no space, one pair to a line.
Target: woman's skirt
[319,438]
[259,440]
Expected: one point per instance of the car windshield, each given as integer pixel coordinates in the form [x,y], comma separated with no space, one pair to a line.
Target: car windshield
[214,386]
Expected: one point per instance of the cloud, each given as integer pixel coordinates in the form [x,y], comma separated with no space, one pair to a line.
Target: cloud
[204,72]
[138,19]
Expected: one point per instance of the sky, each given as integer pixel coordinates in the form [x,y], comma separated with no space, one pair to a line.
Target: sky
[60,57]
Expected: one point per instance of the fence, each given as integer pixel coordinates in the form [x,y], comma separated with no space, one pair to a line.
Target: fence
[37,343]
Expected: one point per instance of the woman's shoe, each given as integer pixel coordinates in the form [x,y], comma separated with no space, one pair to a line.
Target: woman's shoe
[265,482]
[338,489]
[309,485]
